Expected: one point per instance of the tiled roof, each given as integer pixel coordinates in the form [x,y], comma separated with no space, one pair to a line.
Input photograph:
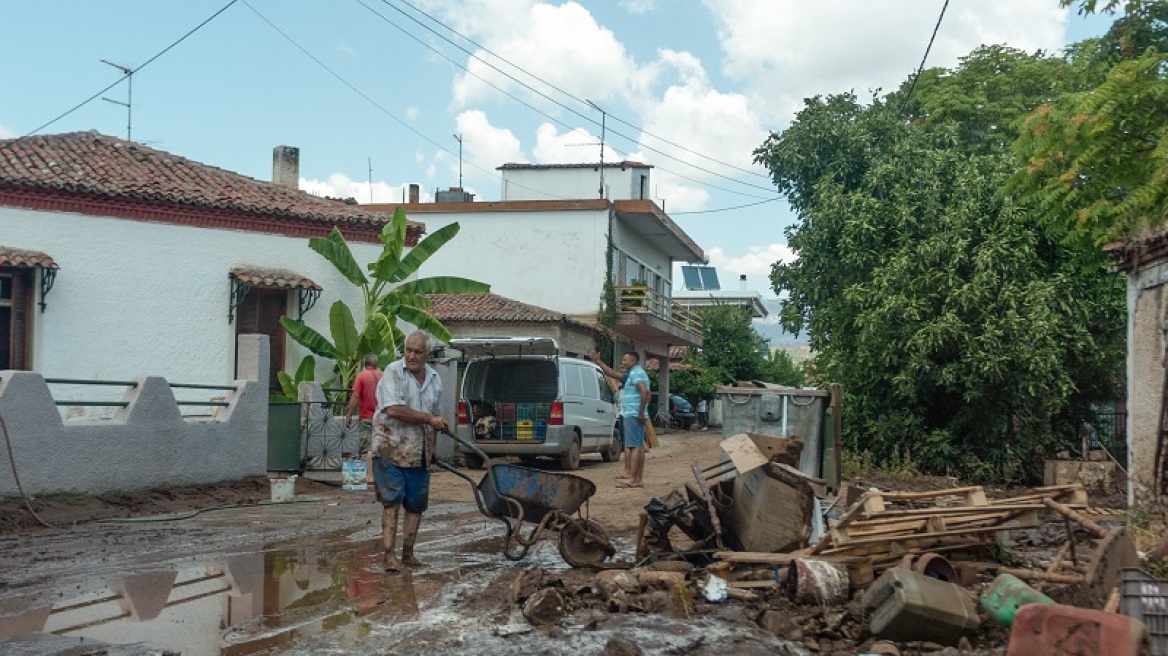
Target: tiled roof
[17,257]
[492,307]
[278,278]
[95,164]
[653,364]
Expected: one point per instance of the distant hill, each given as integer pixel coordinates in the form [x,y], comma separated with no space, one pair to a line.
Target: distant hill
[770,329]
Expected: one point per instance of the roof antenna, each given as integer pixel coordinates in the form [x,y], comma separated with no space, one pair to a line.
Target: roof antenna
[129,104]
[458,138]
[603,116]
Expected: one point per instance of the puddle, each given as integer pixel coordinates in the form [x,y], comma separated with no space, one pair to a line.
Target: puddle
[331,595]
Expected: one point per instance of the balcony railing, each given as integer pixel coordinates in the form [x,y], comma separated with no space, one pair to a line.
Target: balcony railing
[641,299]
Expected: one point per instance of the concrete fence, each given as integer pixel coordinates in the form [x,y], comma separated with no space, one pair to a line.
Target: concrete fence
[146,444]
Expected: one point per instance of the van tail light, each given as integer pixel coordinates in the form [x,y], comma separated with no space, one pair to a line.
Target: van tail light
[463,413]
[556,414]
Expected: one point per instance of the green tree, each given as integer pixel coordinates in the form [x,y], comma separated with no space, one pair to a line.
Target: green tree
[779,368]
[959,328]
[1096,161]
[388,297]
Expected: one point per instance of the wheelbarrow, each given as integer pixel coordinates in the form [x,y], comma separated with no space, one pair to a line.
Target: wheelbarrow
[553,501]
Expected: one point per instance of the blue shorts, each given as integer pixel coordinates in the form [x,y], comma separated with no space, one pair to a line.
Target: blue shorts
[409,486]
[633,432]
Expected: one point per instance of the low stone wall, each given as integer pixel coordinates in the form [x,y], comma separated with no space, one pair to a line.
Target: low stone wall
[147,444]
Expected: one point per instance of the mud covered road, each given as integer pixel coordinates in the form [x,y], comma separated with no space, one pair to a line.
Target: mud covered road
[305,578]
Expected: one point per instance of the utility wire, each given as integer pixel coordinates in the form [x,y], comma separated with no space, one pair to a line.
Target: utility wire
[375,103]
[566,93]
[573,110]
[917,75]
[726,209]
[119,80]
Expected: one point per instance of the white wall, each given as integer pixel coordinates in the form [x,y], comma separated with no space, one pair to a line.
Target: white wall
[552,259]
[636,246]
[575,183]
[136,297]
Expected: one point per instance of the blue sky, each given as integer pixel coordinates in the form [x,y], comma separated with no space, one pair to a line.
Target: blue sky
[690,86]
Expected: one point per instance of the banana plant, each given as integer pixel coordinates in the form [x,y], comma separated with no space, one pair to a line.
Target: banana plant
[389,297]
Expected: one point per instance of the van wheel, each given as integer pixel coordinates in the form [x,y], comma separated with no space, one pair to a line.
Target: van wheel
[615,448]
[473,460]
[571,459]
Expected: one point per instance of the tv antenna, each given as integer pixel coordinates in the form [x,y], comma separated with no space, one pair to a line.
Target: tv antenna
[458,138]
[370,180]
[603,117]
[128,73]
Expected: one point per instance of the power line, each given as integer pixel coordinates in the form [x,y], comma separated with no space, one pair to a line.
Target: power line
[566,93]
[378,105]
[723,209]
[917,75]
[560,104]
[126,75]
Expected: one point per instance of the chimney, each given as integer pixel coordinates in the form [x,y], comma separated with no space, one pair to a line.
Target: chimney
[415,190]
[286,166]
[742,282]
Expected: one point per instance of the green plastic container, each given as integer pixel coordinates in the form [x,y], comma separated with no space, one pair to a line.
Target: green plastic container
[1006,595]
[284,437]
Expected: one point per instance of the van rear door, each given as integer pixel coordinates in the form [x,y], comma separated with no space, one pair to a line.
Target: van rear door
[513,347]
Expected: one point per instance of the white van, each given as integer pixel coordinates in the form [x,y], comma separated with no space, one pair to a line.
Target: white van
[520,398]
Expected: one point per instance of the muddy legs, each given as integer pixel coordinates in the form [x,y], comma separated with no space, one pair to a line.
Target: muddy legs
[389,536]
[412,522]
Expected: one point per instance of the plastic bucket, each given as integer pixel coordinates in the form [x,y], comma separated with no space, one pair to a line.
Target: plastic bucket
[283,489]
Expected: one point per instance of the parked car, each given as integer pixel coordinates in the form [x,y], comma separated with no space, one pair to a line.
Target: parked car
[520,398]
[681,412]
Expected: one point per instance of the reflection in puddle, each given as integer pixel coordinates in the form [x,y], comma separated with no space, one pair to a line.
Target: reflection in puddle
[241,605]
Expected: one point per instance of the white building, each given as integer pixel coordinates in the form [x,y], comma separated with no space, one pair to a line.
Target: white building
[553,242]
[117,259]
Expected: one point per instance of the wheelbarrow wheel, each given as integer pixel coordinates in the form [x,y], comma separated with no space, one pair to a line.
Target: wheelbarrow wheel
[583,543]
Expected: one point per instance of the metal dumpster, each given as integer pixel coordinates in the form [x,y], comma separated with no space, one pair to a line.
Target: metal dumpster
[779,412]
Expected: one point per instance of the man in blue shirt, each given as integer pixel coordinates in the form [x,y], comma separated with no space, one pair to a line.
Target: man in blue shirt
[633,401]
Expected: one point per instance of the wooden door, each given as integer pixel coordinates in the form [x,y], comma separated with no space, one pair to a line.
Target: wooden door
[260,314]
[16,286]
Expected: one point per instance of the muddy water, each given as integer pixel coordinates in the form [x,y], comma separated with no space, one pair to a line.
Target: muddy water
[330,595]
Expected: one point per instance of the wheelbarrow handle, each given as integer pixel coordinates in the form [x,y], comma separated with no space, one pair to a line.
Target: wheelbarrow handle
[473,447]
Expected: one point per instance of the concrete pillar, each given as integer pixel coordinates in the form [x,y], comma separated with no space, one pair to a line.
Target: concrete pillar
[415,193]
[663,385]
[253,358]
[286,166]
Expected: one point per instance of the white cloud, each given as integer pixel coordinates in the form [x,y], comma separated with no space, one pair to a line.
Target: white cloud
[347,49]
[786,50]
[339,185]
[485,144]
[755,264]
[574,147]
[413,113]
[562,45]
[638,6]
[6,133]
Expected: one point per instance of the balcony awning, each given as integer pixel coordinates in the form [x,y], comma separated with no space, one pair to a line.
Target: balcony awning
[19,257]
[272,278]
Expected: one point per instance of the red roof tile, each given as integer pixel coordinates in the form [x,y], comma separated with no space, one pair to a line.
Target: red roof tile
[95,164]
[278,278]
[18,257]
[492,307]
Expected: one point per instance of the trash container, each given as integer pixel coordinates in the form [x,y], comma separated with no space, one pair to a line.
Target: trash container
[779,412]
[284,436]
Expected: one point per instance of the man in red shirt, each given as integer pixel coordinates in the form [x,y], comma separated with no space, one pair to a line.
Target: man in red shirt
[365,396]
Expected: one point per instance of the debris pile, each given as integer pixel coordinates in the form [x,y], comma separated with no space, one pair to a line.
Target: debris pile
[874,571]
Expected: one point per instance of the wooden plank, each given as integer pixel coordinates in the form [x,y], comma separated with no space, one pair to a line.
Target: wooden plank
[709,499]
[754,585]
[950,492]
[1070,513]
[959,510]
[780,559]
[925,536]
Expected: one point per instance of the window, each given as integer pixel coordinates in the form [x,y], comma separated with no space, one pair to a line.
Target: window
[16,290]
[572,386]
